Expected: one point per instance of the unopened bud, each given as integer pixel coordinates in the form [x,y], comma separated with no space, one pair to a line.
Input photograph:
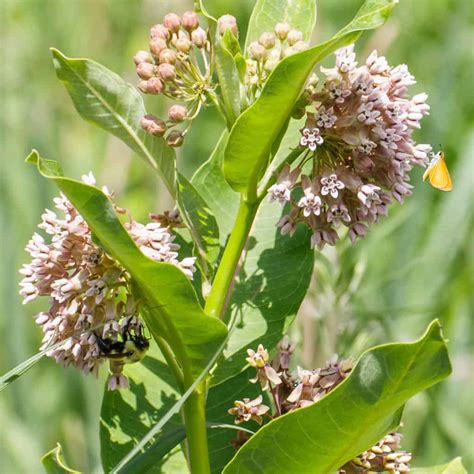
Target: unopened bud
[154,86]
[267,40]
[228,22]
[142,57]
[313,80]
[281,30]
[183,45]
[257,51]
[294,36]
[288,52]
[270,64]
[199,37]
[167,56]
[177,113]
[146,70]
[159,31]
[157,45]
[300,46]
[167,72]
[175,138]
[189,21]
[172,22]
[153,125]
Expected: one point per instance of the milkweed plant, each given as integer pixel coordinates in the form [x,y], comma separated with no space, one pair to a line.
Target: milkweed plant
[189,312]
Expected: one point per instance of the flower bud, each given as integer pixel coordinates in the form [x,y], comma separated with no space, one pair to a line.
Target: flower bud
[157,45]
[267,40]
[294,36]
[257,51]
[146,70]
[177,113]
[167,72]
[175,138]
[300,46]
[228,22]
[281,30]
[199,37]
[142,57]
[183,44]
[159,31]
[271,64]
[153,86]
[167,56]
[153,125]
[172,22]
[189,21]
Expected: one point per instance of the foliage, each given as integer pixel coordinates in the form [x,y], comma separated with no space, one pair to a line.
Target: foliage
[358,291]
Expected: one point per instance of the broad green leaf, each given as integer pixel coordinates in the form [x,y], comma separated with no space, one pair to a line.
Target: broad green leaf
[276,274]
[325,435]
[209,181]
[453,467]
[228,76]
[299,14]
[127,415]
[53,462]
[177,315]
[105,99]
[201,222]
[252,137]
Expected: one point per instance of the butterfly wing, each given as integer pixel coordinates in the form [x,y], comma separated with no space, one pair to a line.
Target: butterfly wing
[439,175]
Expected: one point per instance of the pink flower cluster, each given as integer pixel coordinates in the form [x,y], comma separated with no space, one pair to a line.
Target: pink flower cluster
[358,149]
[89,291]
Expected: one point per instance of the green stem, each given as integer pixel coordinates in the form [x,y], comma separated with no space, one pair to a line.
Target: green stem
[196,433]
[171,361]
[222,284]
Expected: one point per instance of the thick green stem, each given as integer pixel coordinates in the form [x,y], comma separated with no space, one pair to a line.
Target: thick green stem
[196,432]
[222,284]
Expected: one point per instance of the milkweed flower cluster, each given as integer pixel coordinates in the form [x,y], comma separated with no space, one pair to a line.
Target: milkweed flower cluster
[178,66]
[358,148]
[385,456]
[293,390]
[89,291]
[265,53]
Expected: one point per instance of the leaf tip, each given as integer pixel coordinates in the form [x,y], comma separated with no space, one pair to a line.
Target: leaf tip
[33,158]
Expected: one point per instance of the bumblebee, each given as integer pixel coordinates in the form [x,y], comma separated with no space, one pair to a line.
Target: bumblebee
[130,349]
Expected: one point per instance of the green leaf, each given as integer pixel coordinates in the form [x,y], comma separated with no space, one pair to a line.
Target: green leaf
[53,462]
[324,436]
[201,222]
[128,415]
[105,99]
[228,75]
[209,181]
[299,14]
[252,137]
[276,274]
[453,467]
[175,313]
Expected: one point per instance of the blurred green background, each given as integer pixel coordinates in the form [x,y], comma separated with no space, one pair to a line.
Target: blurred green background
[413,267]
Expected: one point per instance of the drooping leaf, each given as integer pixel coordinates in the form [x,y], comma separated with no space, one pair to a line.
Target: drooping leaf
[252,137]
[176,313]
[105,99]
[299,14]
[453,467]
[53,462]
[323,436]
[276,274]
[201,222]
